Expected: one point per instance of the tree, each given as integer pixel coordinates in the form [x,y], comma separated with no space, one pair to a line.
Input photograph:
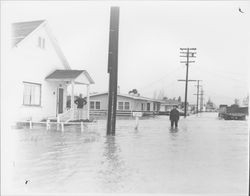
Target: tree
[236,101]
[161,94]
[179,99]
[134,92]
[246,101]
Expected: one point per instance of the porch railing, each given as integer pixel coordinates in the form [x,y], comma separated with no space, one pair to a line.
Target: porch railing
[72,114]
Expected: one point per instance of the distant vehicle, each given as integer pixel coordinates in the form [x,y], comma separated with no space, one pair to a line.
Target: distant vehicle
[233,112]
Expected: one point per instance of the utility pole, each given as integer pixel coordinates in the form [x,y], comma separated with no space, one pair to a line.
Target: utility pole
[197,102]
[187,53]
[185,104]
[113,69]
[202,99]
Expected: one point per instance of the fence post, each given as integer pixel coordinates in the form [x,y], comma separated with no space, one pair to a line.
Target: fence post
[58,123]
[30,124]
[47,124]
[62,126]
[81,126]
[136,122]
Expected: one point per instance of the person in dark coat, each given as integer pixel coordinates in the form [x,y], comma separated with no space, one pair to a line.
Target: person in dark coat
[174,117]
[80,102]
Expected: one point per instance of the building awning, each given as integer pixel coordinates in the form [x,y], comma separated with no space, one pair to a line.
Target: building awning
[78,76]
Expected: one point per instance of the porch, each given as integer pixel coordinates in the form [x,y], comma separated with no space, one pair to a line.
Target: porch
[64,80]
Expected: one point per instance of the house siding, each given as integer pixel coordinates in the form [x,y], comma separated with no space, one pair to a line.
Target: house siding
[32,64]
[135,105]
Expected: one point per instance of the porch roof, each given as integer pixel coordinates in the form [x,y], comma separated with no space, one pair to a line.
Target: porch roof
[70,75]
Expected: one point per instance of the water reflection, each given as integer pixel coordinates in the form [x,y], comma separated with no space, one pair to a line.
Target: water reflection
[113,168]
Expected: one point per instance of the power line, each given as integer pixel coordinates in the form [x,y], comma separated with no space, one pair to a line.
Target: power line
[158,80]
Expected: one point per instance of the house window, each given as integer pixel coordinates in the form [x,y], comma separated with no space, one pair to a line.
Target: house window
[92,105]
[142,106]
[126,106]
[41,42]
[31,94]
[97,105]
[120,105]
[148,106]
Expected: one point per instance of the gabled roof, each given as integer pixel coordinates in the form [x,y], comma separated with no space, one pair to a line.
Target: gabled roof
[129,96]
[23,29]
[68,75]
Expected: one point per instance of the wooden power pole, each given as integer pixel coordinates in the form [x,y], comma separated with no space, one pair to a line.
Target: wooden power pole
[187,53]
[113,69]
[197,94]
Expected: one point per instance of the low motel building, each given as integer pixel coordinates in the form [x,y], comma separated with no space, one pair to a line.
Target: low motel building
[41,75]
[126,104]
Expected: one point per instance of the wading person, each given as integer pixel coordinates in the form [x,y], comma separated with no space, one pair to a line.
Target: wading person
[174,117]
[80,102]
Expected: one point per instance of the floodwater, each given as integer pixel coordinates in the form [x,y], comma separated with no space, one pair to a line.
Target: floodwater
[204,155]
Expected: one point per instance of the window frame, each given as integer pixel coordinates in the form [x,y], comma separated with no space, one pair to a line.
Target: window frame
[40,93]
[128,105]
[148,108]
[142,106]
[122,108]
[96,105]
[41,42]
[92,102]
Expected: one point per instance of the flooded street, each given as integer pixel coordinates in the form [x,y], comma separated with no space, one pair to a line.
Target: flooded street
[205,155]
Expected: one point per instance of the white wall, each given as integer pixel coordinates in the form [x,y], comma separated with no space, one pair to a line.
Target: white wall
[30,63]
[135,105]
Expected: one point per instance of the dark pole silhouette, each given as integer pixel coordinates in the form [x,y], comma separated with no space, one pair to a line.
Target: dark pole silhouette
[187,52]
[197,94]
[113,69]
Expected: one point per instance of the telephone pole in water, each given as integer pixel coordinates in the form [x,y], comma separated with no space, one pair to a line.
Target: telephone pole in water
[113,69]
[197,94]
[202,100]
[187,53]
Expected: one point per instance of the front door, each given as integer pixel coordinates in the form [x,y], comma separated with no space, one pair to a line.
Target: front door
[60,100]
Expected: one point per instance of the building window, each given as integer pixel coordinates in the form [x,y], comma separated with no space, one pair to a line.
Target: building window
[97,105]
[142,106]
[126,106]
[92,105]
[120,105]
[41,42]
[148,106]
[31,94]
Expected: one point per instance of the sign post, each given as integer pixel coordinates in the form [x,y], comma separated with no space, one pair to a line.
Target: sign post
[137,115]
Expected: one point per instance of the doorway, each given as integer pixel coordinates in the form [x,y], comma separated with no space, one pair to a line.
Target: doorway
[60,100]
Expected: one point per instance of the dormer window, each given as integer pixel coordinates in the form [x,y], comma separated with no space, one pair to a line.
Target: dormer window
[41,42]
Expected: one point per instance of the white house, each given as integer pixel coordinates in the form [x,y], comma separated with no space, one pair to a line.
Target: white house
[40,74]
[126,104]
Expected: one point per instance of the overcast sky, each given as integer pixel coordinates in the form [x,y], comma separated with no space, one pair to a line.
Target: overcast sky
[151,35]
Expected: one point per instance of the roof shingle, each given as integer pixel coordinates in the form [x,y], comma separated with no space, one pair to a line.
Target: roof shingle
[20,30]
[65,74]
